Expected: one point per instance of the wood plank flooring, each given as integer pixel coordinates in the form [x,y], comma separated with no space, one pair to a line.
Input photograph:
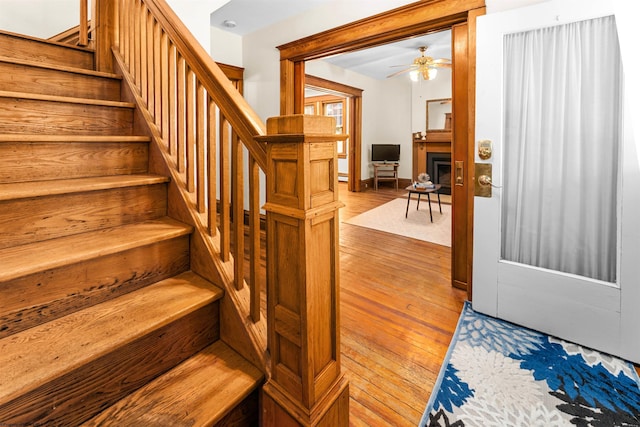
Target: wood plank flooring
[398,314]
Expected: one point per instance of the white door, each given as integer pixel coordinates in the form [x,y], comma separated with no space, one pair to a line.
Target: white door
[601,314]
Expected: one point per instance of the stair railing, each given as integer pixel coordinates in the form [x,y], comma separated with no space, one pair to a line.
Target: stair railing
[202,126]
[201,121]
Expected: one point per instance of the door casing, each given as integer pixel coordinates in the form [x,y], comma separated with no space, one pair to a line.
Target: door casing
[408,21]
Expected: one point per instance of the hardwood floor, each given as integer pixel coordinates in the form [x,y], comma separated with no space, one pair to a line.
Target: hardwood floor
[398,314]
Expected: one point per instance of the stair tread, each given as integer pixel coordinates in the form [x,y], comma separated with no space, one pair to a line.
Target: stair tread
[30,358]
[199,391]
[59,67]
[67,99]
[45,41]
[36,137]
[22,190]
[19,261]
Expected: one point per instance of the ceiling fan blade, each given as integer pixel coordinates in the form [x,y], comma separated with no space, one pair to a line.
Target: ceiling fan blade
[405,65]
[444,65]
[406,70]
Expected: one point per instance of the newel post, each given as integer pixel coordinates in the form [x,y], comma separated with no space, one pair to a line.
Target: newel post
[104,19]
[307,387]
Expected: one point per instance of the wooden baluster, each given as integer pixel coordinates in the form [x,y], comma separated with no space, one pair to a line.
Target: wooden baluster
[306,387]
[255,283]
[150,62]
[191,130]
[143,83]
[83,37]
[225,198]
[211,164]
[123,31]
[181,113]
[157,66]
[165,100]
[237,193]
[201,115]
[132,40]
[84,17]
[173,102]
[137,12]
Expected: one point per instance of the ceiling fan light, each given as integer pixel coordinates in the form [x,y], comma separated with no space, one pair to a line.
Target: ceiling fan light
[414,75]
[432,73]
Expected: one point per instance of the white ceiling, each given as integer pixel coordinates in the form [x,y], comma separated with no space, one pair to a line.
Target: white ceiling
[381,61]
[253,15]
[377,62]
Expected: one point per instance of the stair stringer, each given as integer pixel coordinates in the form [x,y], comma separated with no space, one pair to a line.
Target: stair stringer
[237,329]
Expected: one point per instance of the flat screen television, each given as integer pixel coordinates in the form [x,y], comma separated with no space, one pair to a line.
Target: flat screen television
[388,153]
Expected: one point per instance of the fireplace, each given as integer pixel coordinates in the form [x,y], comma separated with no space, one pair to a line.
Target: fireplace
[439,168]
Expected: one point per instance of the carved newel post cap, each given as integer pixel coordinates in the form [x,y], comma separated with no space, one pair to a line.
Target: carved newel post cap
[301,124]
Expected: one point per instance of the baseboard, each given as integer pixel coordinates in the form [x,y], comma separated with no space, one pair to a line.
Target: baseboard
[368,184]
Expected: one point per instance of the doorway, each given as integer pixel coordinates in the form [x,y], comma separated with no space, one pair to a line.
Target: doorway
[353,118]
[405,22]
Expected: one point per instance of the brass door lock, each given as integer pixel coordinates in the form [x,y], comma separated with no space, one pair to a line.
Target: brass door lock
[483,180]
[485,149]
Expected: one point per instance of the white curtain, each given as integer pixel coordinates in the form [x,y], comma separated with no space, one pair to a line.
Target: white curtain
[563,109]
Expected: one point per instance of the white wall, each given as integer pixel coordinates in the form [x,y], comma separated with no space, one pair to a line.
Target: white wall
[52,17]
[195,15]
[423,91]
[386,104]
[225,47]
[500,5]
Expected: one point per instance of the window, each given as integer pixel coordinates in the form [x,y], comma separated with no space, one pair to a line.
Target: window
[332,106]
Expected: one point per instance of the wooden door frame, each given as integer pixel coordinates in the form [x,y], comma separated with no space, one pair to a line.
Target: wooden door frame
[354,97]
[414,19]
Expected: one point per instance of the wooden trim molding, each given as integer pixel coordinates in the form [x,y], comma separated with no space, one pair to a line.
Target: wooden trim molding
[318,82]
[231,71]
[235,74]
[407,21]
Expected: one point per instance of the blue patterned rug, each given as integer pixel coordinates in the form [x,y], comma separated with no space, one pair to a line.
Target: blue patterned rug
[499,374]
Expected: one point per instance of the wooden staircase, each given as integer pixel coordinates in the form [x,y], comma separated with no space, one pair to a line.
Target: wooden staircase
[101,320]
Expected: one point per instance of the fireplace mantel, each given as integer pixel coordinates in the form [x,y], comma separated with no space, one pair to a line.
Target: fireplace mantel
[434,142]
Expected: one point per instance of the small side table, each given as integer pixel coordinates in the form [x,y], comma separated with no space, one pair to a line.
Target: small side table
[420,191]
[385,172]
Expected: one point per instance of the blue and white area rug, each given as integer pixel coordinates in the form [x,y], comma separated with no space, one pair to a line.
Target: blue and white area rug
[499,374]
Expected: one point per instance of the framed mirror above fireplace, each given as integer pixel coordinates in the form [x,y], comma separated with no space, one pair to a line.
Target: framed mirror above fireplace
[438,115]
[439,120]
[432,149]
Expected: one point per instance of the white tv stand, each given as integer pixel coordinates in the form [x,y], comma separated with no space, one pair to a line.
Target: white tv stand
[385,172]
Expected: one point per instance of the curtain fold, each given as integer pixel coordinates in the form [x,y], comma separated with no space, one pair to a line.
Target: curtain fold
[563,109]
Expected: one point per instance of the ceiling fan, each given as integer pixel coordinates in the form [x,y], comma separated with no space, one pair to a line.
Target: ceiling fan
[424,66]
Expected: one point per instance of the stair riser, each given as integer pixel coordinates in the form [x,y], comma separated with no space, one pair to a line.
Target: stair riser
[32,220]
[38,298]
[18,115]
[245,414]
[34,50]
[85,391]
[33,161]
[24,78]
